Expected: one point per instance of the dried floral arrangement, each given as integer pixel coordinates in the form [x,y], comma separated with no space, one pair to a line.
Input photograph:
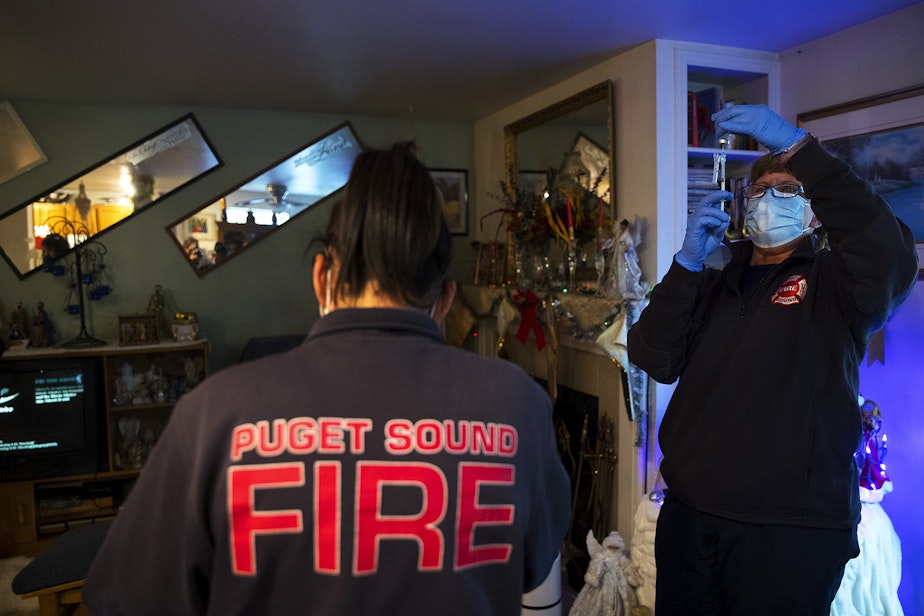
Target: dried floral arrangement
[566,206]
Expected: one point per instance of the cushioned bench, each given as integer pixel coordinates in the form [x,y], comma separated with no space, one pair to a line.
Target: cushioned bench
[56,575]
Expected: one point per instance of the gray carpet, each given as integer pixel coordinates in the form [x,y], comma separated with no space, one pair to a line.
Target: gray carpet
[10,603]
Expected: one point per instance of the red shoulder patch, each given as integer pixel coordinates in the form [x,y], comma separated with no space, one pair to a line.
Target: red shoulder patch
[792,291]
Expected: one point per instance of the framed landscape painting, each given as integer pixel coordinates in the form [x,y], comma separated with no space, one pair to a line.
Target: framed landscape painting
[882,139]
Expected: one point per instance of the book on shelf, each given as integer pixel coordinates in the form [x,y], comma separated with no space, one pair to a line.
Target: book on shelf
[708,101]
[692,124]
[700,184]
[701,104]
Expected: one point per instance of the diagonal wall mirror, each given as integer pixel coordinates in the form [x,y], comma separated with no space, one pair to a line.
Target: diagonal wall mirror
[110,192]
[252,211]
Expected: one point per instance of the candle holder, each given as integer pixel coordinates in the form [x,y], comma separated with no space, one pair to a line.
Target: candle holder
[87,270]
[603,247]
[571,262]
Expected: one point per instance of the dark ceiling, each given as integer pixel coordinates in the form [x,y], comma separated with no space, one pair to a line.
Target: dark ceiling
[430,59]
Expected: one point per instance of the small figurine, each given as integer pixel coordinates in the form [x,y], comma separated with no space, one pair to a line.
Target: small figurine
[629,274]
[156,384]
[148,439]
[192,368]
[128,454]
[19,326]
[44,328]
[126,386]
[874,481]
[157,306]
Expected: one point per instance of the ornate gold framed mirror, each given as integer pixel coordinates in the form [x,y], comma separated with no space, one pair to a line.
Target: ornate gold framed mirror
[109,193]
[559,208]
[579,127]
[250,212]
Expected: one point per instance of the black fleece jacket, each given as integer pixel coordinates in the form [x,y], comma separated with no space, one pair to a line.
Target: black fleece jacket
[764,421]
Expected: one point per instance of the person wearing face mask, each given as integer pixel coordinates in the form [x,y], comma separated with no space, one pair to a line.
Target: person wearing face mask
[374,469]
[762,504]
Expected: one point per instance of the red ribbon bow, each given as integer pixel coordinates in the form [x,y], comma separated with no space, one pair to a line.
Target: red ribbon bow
[526,304]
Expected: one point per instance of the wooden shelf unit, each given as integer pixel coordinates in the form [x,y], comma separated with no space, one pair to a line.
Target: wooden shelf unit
[34,512]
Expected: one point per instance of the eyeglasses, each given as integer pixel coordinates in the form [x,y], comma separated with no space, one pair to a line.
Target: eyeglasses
[784,191]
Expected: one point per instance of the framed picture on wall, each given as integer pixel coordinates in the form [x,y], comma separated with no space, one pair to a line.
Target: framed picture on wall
[597,160]
[18,150]
[882,139]
[453,183]
[202,226]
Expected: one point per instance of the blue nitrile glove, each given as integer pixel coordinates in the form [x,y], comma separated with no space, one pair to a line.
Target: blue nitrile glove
[760,122]
[706,227]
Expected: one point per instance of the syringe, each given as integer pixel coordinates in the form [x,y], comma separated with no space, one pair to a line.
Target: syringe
[718,162]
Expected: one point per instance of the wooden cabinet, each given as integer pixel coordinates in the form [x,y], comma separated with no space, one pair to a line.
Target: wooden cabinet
[107,215]
[100,217]
[140,386]
[17,511]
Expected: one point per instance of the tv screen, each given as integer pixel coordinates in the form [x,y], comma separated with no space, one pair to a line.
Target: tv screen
[51,418]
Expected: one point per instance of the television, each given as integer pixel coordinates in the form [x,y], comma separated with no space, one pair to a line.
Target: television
[52,418]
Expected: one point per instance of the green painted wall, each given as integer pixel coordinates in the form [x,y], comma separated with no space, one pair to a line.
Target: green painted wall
[266,290]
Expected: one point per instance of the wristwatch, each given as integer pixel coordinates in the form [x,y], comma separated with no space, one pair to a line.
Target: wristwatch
[788,153]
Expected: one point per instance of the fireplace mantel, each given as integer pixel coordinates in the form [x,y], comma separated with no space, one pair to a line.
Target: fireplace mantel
[486,320]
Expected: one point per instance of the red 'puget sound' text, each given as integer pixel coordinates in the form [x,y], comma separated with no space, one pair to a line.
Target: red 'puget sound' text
[331,436]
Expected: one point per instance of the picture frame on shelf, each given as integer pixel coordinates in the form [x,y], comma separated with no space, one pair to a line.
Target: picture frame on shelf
[453,184]
[137,329]
[877,136]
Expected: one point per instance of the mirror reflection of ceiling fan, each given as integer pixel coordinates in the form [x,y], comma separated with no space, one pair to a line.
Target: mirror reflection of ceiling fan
[276,199]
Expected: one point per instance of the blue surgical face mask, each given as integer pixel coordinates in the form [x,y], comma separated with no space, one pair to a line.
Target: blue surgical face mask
[773,221]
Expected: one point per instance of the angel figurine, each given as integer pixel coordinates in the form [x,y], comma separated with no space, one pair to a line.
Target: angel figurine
[625,262]
[874,480]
